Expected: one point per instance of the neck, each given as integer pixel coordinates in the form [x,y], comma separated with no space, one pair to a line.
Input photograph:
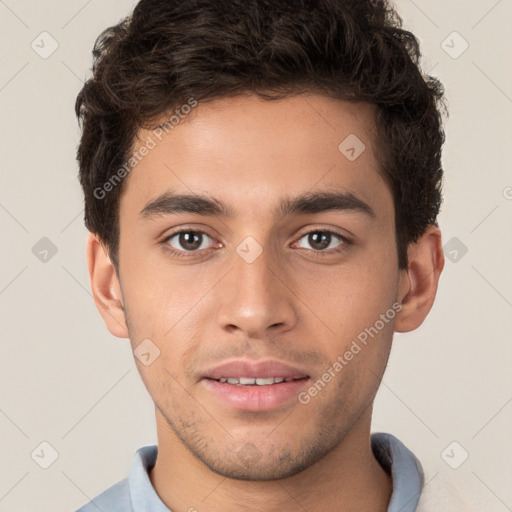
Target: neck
[348,478]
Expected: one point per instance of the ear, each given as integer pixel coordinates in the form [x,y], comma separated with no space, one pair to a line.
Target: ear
[105,286]
[418,282]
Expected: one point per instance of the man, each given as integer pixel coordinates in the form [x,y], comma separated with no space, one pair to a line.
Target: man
[262,181]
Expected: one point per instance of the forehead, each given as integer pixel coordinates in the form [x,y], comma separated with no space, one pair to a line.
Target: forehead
[250,151]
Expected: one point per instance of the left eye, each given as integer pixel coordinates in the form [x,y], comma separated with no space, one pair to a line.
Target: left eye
[321,240]
[188,240]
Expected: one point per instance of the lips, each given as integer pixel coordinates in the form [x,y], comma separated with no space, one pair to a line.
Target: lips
[258,381]
[245,372]
[256,386]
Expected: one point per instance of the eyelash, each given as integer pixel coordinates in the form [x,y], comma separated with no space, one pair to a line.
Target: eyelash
[317,253]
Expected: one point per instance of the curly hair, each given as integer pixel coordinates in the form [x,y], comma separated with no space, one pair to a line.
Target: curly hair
[169,51]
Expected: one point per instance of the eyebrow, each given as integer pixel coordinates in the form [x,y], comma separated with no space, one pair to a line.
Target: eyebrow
[313,202]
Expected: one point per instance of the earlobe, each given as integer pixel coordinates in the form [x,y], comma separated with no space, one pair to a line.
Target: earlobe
[105,287]
[419,282]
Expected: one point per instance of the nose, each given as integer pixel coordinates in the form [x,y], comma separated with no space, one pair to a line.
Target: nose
[256,298]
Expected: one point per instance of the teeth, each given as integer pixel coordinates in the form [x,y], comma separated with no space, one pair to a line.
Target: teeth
[264,382]
[250,381]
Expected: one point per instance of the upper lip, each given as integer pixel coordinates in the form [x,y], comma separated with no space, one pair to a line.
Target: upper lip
[255,369]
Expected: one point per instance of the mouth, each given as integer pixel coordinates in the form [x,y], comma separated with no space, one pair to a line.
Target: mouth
[257,381]
[255,394]
[255,385]
[254,372]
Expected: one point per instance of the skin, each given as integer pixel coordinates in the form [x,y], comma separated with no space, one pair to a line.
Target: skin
[292,303]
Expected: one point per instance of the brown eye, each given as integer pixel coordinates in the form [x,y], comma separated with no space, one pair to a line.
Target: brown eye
[321,240]
[187,241]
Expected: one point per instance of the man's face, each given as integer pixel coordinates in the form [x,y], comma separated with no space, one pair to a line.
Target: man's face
[256,285]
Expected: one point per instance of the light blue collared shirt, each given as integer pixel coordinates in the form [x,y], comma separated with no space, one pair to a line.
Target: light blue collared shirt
[136,494]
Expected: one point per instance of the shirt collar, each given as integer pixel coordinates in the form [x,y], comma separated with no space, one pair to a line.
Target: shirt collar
[142,493]
[396,459]
[405,470]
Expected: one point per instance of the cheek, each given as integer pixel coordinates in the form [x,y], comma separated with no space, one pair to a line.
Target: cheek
[165,388]
[352,297]
[158,295]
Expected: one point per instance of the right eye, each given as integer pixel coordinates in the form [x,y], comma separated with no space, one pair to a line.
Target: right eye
[186,241]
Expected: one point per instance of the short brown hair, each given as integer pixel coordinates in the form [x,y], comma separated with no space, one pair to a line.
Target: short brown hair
[168,51]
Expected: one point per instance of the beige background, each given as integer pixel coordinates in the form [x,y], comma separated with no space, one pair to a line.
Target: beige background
[66,381]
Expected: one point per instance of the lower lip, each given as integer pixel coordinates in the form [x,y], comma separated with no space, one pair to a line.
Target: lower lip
[256,398]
